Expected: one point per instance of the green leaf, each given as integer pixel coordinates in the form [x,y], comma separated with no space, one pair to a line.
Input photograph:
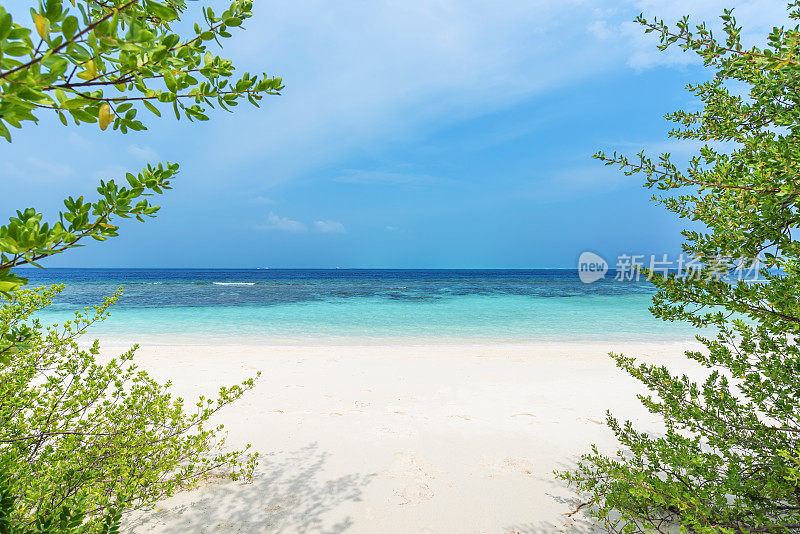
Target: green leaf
[170,82]
[5,24]
[16,49]
[161,11]
[152,108]
[8,287]
[69,27]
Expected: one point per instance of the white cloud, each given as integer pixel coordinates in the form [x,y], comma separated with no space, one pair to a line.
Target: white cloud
[78,141]
[113,172]
[49,169]
[261,200]
[600,29]
[329,227]
[38,170]
[380,177]
[283,224]
[143,152]
[359,75]
[578,182]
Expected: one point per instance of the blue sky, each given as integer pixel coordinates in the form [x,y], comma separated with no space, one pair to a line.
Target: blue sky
[430,134]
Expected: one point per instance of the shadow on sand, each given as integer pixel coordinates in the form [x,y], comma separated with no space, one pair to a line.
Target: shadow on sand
[575,523]
[288,494]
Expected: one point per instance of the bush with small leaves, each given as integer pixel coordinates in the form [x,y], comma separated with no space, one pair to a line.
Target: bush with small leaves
[100,434]
[83,440]
[728,459]
[70,518]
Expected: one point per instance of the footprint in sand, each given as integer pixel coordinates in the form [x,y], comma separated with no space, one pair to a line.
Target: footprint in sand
[518,464]
[400,433]
[464,417]
[589,420]
[509,465]
[415,493]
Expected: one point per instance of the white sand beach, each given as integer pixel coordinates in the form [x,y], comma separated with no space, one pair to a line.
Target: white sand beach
[401,437]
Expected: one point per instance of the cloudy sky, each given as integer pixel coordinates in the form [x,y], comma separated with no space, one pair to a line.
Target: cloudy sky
[421,133]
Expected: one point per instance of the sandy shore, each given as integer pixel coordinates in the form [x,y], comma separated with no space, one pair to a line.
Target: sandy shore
[443,438]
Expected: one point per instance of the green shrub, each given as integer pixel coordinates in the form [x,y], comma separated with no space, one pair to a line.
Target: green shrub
[728,459]
[82,440]
[70,518]
[103,434]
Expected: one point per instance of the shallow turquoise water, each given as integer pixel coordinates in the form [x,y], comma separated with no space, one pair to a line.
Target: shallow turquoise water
[300,304]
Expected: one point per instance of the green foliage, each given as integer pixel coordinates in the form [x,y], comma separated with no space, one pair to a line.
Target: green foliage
[728,461]
[25,239]
[83,439]
[101,61]
[99,433]
[70,519]
[105,60]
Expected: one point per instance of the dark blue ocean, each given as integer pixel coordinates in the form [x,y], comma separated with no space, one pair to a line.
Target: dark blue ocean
[298,304]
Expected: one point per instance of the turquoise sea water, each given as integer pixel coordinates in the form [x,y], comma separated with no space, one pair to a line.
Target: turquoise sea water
[288,304]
